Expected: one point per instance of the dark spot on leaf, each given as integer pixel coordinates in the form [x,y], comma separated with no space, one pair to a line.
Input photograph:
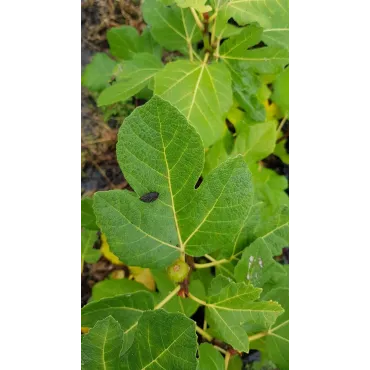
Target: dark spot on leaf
[149,197]
[200,180]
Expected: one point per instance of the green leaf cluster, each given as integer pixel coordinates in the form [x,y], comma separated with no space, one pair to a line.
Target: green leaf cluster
[217,97]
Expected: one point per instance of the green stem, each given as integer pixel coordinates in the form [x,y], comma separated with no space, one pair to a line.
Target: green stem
[168,298]
[210,264]
[281,124]
[203,333]
[257,336]
[197,20]
[220,349]
[204,303]
[212,17]
[207,45]
[268,332]
[227,359]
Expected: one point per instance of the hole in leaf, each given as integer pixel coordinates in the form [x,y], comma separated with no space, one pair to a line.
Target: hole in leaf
[230,126]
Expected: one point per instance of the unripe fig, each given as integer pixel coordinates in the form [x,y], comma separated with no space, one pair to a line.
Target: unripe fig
[178,271]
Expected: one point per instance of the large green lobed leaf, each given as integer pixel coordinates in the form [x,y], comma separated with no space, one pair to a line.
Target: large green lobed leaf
[159,151]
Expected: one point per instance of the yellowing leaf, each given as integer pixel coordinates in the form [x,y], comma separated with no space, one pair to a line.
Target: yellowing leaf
[107,253]
[118,274]
[143,276]
[84,330]
[271,110]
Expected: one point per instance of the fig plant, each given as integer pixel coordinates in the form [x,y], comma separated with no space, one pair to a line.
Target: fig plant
[205,218]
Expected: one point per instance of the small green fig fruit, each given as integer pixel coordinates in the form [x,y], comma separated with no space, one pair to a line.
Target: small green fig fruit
[178,271]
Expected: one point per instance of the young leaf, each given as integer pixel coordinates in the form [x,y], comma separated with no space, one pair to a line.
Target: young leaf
[196,4]
[201,92]
[178,304]
[125,42]
[101,346]
[210,358]
[235,305]
[88,219]
[272,15]
[98,72]
[255,141]
[112,287]
[88,253]
[135,75]
[162,341]
[172,27]
[159,151]
[126,309]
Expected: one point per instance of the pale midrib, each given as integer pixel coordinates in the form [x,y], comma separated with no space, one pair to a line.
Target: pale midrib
[214,88]
[188,39]
[279,326]
[103,350]
[138,228]
[272,231]
[279,336]
[233,297]
[254,59]
[228,326]
[241,228]
[275,29]
[178,81]
[196,90]
[237,45]
[131,327]
[130,87]
[169,25]
[215,307]
[167,349]
[170,184]
[208,213]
